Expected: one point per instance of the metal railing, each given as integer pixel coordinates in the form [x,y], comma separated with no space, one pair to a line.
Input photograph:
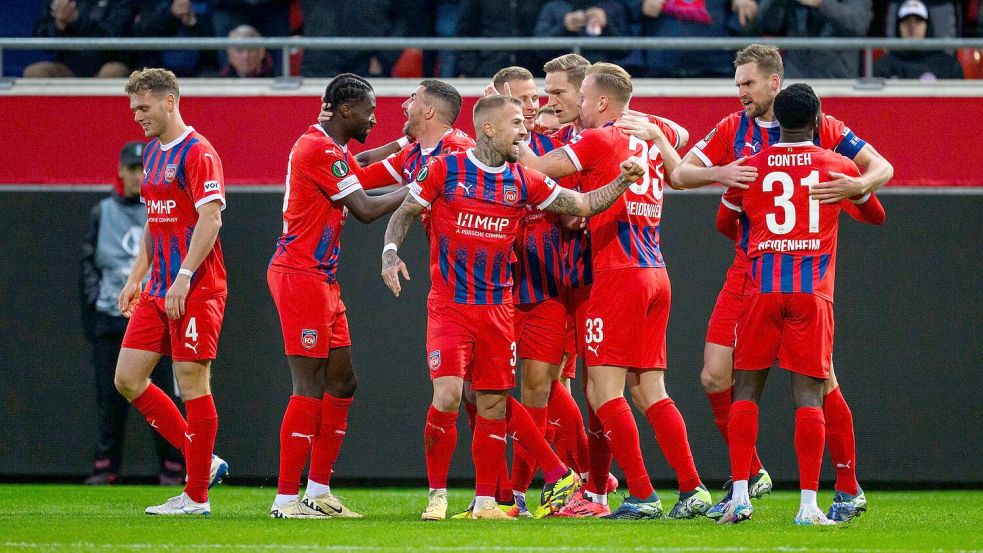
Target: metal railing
[576,44]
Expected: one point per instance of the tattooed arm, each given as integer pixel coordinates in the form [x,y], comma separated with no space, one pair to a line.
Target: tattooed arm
[556,164]
[399,225]
[570,202]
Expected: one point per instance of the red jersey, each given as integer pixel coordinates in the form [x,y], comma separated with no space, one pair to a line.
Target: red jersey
[792,238]
[475,214]
[403,166]
[539,270]
[576,243]
[178,178]
[320,172]
[627,234]
[736,136]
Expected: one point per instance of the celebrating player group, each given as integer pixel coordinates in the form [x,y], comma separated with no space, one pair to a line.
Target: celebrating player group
[544,249]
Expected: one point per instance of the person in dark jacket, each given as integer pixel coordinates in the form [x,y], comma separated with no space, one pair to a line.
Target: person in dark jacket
[174,18]
[507,19]
[110,247]
[83,18]
[583,18]
[925,65]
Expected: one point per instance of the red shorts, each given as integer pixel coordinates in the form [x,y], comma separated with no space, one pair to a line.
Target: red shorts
[540,330]
[796,329]
[577,300]
[193,337]
[627,318]
[312,315]
[471,341]
[723,320]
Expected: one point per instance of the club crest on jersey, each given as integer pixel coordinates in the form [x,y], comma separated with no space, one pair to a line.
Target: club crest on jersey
[308,338]
[339,168]
[170,172]
[511,194]
[434,360]
[422,175]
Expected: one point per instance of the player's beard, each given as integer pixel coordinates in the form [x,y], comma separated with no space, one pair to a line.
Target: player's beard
[758,110]
[512,153]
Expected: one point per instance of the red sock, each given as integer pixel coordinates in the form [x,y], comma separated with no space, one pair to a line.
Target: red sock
[523,464]
[199,444]
[810,435]
[571,437]
[488,452]
[503,487]
[622,434]
[327,443]
[842,444]
[297,432]
[670,432]
[599,455]
[525,433]
[439,442]
[163,415]
[720,404]
[742,433]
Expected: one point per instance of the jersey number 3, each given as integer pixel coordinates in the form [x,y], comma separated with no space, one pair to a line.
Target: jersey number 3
[641,186]
[784,202]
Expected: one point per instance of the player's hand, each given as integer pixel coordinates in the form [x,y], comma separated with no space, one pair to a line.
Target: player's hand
[176,297]
[735,175]
[128,298]
[746,10]
[639,127]
[632,169]
[490,90]
[392,267]
[841,188]
[325,114]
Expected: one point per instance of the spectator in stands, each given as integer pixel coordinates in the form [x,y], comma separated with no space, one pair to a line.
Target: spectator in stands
[359,18]
[174,18]
[913,24]
[583,18]
[83,18]
[481,18]
[820,19]
[943,18]
[109,250]
[445,25]
[692,18]
[253,63]
[269,17]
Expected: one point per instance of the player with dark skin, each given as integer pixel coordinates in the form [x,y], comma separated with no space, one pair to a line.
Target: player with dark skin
[311,376]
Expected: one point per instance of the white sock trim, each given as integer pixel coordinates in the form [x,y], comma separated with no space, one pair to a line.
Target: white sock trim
[808,500]
[740,491]
[282,499]
[314,488]
[599,498]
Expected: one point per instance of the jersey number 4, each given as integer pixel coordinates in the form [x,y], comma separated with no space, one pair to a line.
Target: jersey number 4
[784,201]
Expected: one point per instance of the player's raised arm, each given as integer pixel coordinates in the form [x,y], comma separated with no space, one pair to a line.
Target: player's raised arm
[638,121]
[571,202]
[399,224]
[693,173]
[877,172]
[130,293]
[556,164]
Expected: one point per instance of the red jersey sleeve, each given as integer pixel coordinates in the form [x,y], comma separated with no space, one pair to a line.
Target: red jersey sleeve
[203,171]
[587,149]
[329,169]
[383,173]
[867,208]
[717,147]
[431,181]
[541,190]
[668,129]
[729,211]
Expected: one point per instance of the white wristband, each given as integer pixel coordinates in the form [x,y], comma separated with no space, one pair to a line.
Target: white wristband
[185,272]
[403,142]
[389,246]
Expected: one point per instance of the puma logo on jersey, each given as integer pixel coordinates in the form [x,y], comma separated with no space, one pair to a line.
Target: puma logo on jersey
[502,438]
[435,427]
[467,189]
[554,423]
[308,437]
[593,349]
[153,424]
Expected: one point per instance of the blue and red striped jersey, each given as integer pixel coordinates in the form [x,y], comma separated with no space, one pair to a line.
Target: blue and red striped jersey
[178,178]
[792,238]
[578,270]
[628,233]
[539,270]
[475,215]
[320,173]
[736,136]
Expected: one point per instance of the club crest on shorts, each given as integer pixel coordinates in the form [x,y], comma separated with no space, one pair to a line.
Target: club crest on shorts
[170,172]
[308,338]
[511,194]
[434,360]
[339,168]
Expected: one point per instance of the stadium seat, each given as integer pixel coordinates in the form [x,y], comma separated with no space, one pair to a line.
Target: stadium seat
[972,62]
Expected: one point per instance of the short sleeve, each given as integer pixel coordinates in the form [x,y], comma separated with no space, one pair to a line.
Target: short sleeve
[733,199]
[430,180]
[587,148]
[331,172]
[382,173]
[717,146]
[540,189]
[668,129]
[203,172]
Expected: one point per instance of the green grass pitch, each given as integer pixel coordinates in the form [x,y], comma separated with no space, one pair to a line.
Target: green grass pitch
[42,518]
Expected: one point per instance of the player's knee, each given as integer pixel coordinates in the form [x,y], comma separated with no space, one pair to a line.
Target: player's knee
[344,387]
[715,380]
[129,387]
[446,399]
